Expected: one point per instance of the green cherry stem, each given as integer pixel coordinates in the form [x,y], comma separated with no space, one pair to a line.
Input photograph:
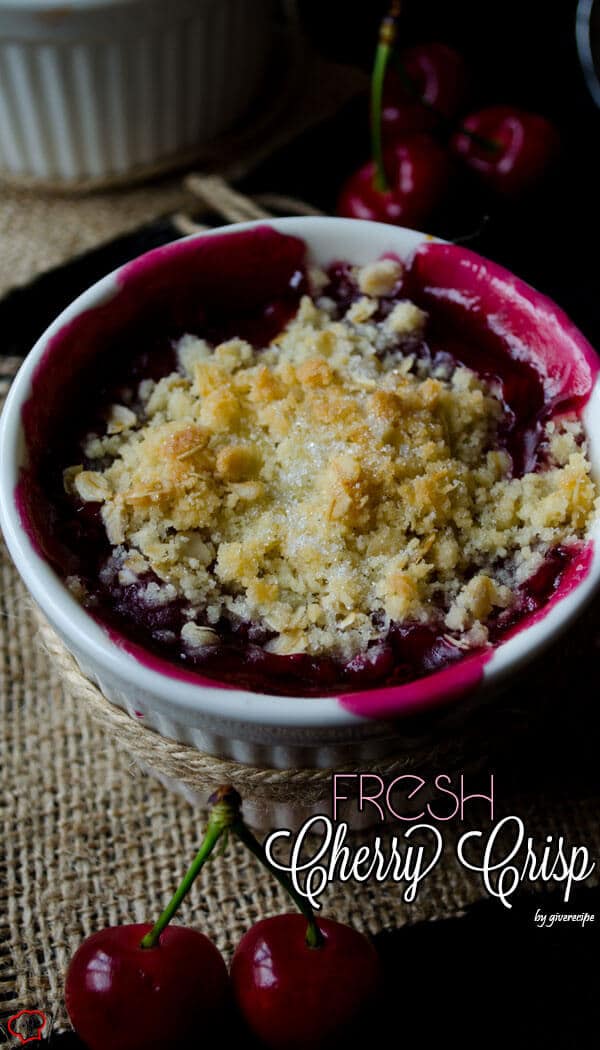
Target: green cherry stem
[224,817]
[491,145]
[385,44]
[225,810]
[314,937]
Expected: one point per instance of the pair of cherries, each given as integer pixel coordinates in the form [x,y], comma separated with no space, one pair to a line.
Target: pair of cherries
[509,149]
[294,983]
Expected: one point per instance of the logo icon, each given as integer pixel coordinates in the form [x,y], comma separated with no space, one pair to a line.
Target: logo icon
[30,1029]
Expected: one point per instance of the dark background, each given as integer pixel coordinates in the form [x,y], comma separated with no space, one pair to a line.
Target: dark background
[521,52]
[490,979]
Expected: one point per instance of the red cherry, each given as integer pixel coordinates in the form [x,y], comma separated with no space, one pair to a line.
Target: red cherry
[436,74]
[401,114]
[439,75]
[417,169]
[125,997]
[292,996]
[525,145]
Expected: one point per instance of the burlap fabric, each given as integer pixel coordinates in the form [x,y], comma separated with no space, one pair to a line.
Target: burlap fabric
[88,840]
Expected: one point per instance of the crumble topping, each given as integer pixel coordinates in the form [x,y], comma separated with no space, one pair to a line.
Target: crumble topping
[328,485]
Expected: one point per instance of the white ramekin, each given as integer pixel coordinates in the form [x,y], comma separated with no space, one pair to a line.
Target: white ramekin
[263,730]
[93,89]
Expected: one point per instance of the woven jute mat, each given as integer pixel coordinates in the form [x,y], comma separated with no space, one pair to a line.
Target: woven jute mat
[88,840]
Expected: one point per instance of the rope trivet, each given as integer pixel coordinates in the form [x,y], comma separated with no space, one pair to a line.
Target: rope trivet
[200,772]
[216,197]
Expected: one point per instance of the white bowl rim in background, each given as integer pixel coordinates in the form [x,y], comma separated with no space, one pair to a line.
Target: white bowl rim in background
[183,702]
[93,91]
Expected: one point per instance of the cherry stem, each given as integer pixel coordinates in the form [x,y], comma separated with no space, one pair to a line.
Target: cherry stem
[224,811]
[314,937]
[385,44]
[480,140]
[225,816]
[491,145]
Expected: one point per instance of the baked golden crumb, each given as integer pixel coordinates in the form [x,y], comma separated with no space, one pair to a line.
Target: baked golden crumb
[329,484]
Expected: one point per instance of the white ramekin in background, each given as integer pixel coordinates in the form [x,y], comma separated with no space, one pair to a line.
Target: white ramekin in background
[94,89]
[255,728]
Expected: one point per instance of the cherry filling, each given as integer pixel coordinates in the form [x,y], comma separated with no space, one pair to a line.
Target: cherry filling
[249,284]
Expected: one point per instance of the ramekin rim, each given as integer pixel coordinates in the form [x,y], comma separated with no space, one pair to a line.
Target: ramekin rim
[230,704]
